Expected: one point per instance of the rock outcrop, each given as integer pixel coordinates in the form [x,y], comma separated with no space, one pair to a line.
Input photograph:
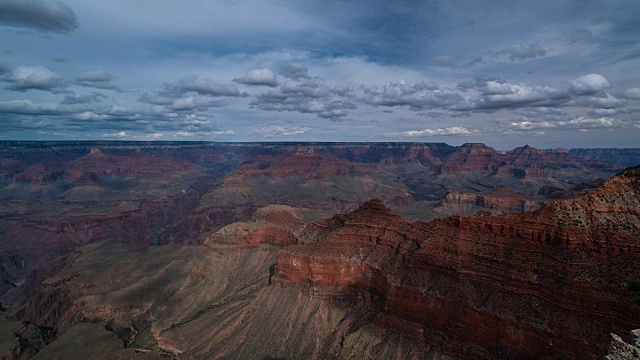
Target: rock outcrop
[534,285]
[275,224]
[620,350]
[499,202]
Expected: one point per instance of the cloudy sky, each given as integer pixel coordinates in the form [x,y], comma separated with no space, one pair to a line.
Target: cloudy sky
[549,73]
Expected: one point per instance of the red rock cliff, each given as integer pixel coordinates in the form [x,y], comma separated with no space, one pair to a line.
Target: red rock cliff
[545,284]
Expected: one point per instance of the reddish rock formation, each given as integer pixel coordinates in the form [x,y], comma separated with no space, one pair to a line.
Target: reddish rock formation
[301,161]
[498,285]
[499,202]
[276,225]
[523,161]
[472,157]
[544,284]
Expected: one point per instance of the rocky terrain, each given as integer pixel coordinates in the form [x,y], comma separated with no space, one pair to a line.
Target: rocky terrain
[211,250]
[534,285]
[620,350]
[615,156]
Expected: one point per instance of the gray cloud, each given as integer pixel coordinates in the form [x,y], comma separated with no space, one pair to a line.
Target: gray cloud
[499,95]
[580,122]
[589,84]
[477,82]
[633,93]
[278,131]
[522,52]
[540,112]
[60,58]
[78,118]
[496,94]
[26,78]
[605,101]
[201,86]
[603,112]
[73,98]
[189,134]
[98,79]
[156,99]
[119,134]
[307,97]
[354,45]
[44,16]
[487,93]
[27,107]
[5,68]
[190,95]
[259,77]
[191,103]
[577,36]
[445,60]
[417,96]
[454,130]
[509,54]
[295,71]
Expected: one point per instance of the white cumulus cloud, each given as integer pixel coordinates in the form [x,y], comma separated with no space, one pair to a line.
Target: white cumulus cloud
[633,93]
[589,84]
[119,134]
[454,130]
[26,78]
[259,77]
[276,131]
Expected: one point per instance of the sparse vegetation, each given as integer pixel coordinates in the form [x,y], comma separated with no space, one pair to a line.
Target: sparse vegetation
[633,286]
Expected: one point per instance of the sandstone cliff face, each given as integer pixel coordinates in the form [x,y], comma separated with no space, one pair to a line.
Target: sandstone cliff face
[535,285]
[499,202]
[472,157]
[275,225]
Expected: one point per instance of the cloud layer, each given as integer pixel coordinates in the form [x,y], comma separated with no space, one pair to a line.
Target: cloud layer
[258,77]
[98,79]
[492,71]
[26,78]
[44,16]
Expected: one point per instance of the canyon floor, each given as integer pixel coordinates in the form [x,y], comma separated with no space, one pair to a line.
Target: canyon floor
[316,250]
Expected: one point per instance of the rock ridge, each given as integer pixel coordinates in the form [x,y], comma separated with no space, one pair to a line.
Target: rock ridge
[522,282]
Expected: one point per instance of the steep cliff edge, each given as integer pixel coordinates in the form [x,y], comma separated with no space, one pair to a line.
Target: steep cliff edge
[544,284]
[498,202]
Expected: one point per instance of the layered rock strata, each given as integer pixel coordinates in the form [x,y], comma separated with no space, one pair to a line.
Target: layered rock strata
[543,284]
